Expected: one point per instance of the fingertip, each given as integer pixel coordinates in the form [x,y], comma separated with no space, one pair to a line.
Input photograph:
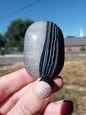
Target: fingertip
[66,106]
[59,81]
[59,108]
[58,84]
[43,89]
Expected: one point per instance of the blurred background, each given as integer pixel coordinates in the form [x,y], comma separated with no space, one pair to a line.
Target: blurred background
[17,15]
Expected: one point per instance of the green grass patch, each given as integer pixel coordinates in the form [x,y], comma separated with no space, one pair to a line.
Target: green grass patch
[65,93]
[84,62]
[84,107]
[74,83]
[83,84]
[75,57]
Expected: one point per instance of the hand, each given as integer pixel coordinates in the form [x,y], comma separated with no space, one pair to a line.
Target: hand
[20,94]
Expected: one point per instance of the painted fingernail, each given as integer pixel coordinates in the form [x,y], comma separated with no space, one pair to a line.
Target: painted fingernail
[68,101]
[43,89]
[60,77]
[67,106]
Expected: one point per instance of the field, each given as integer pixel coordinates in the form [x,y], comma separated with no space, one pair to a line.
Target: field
[74,77]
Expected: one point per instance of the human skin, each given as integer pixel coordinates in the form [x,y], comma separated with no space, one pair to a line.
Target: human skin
[20,94]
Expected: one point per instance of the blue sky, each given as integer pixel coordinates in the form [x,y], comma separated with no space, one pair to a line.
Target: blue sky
[69,15]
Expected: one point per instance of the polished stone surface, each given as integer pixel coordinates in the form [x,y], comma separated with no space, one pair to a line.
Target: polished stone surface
[33,46]
[43,49]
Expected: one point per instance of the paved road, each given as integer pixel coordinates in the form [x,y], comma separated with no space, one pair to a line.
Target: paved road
[11,59]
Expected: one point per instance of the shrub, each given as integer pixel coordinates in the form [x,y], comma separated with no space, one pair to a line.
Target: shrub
[69,49]
[82,49]
[2,52]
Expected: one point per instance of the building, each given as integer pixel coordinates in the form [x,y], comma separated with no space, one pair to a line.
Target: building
[75,44]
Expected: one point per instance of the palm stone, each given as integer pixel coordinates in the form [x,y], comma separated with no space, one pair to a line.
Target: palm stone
[43,49]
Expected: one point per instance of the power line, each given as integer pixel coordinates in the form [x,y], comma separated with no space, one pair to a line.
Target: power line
[19,10]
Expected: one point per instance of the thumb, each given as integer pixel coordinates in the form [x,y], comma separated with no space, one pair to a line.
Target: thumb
[34,100]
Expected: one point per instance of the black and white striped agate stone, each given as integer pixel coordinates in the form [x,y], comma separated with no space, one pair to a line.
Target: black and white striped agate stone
[43,50]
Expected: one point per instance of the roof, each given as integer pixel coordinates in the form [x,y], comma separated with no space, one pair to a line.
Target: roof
[75,41]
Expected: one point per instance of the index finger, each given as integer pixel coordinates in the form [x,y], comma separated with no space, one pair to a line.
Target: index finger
[13,82]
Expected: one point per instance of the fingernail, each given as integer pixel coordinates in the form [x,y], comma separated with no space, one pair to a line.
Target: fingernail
[60,77]
[68,101]
[43,89]
[67,106]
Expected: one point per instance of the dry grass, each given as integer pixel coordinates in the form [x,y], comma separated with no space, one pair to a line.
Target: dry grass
[74,77]
[8,69]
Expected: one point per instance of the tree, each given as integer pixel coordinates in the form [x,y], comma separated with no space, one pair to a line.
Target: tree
[16,31]
[2,40]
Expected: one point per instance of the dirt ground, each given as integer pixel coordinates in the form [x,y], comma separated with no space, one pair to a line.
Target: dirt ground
[74,77]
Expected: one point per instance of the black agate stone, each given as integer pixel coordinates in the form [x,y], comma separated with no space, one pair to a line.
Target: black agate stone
[44,50]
